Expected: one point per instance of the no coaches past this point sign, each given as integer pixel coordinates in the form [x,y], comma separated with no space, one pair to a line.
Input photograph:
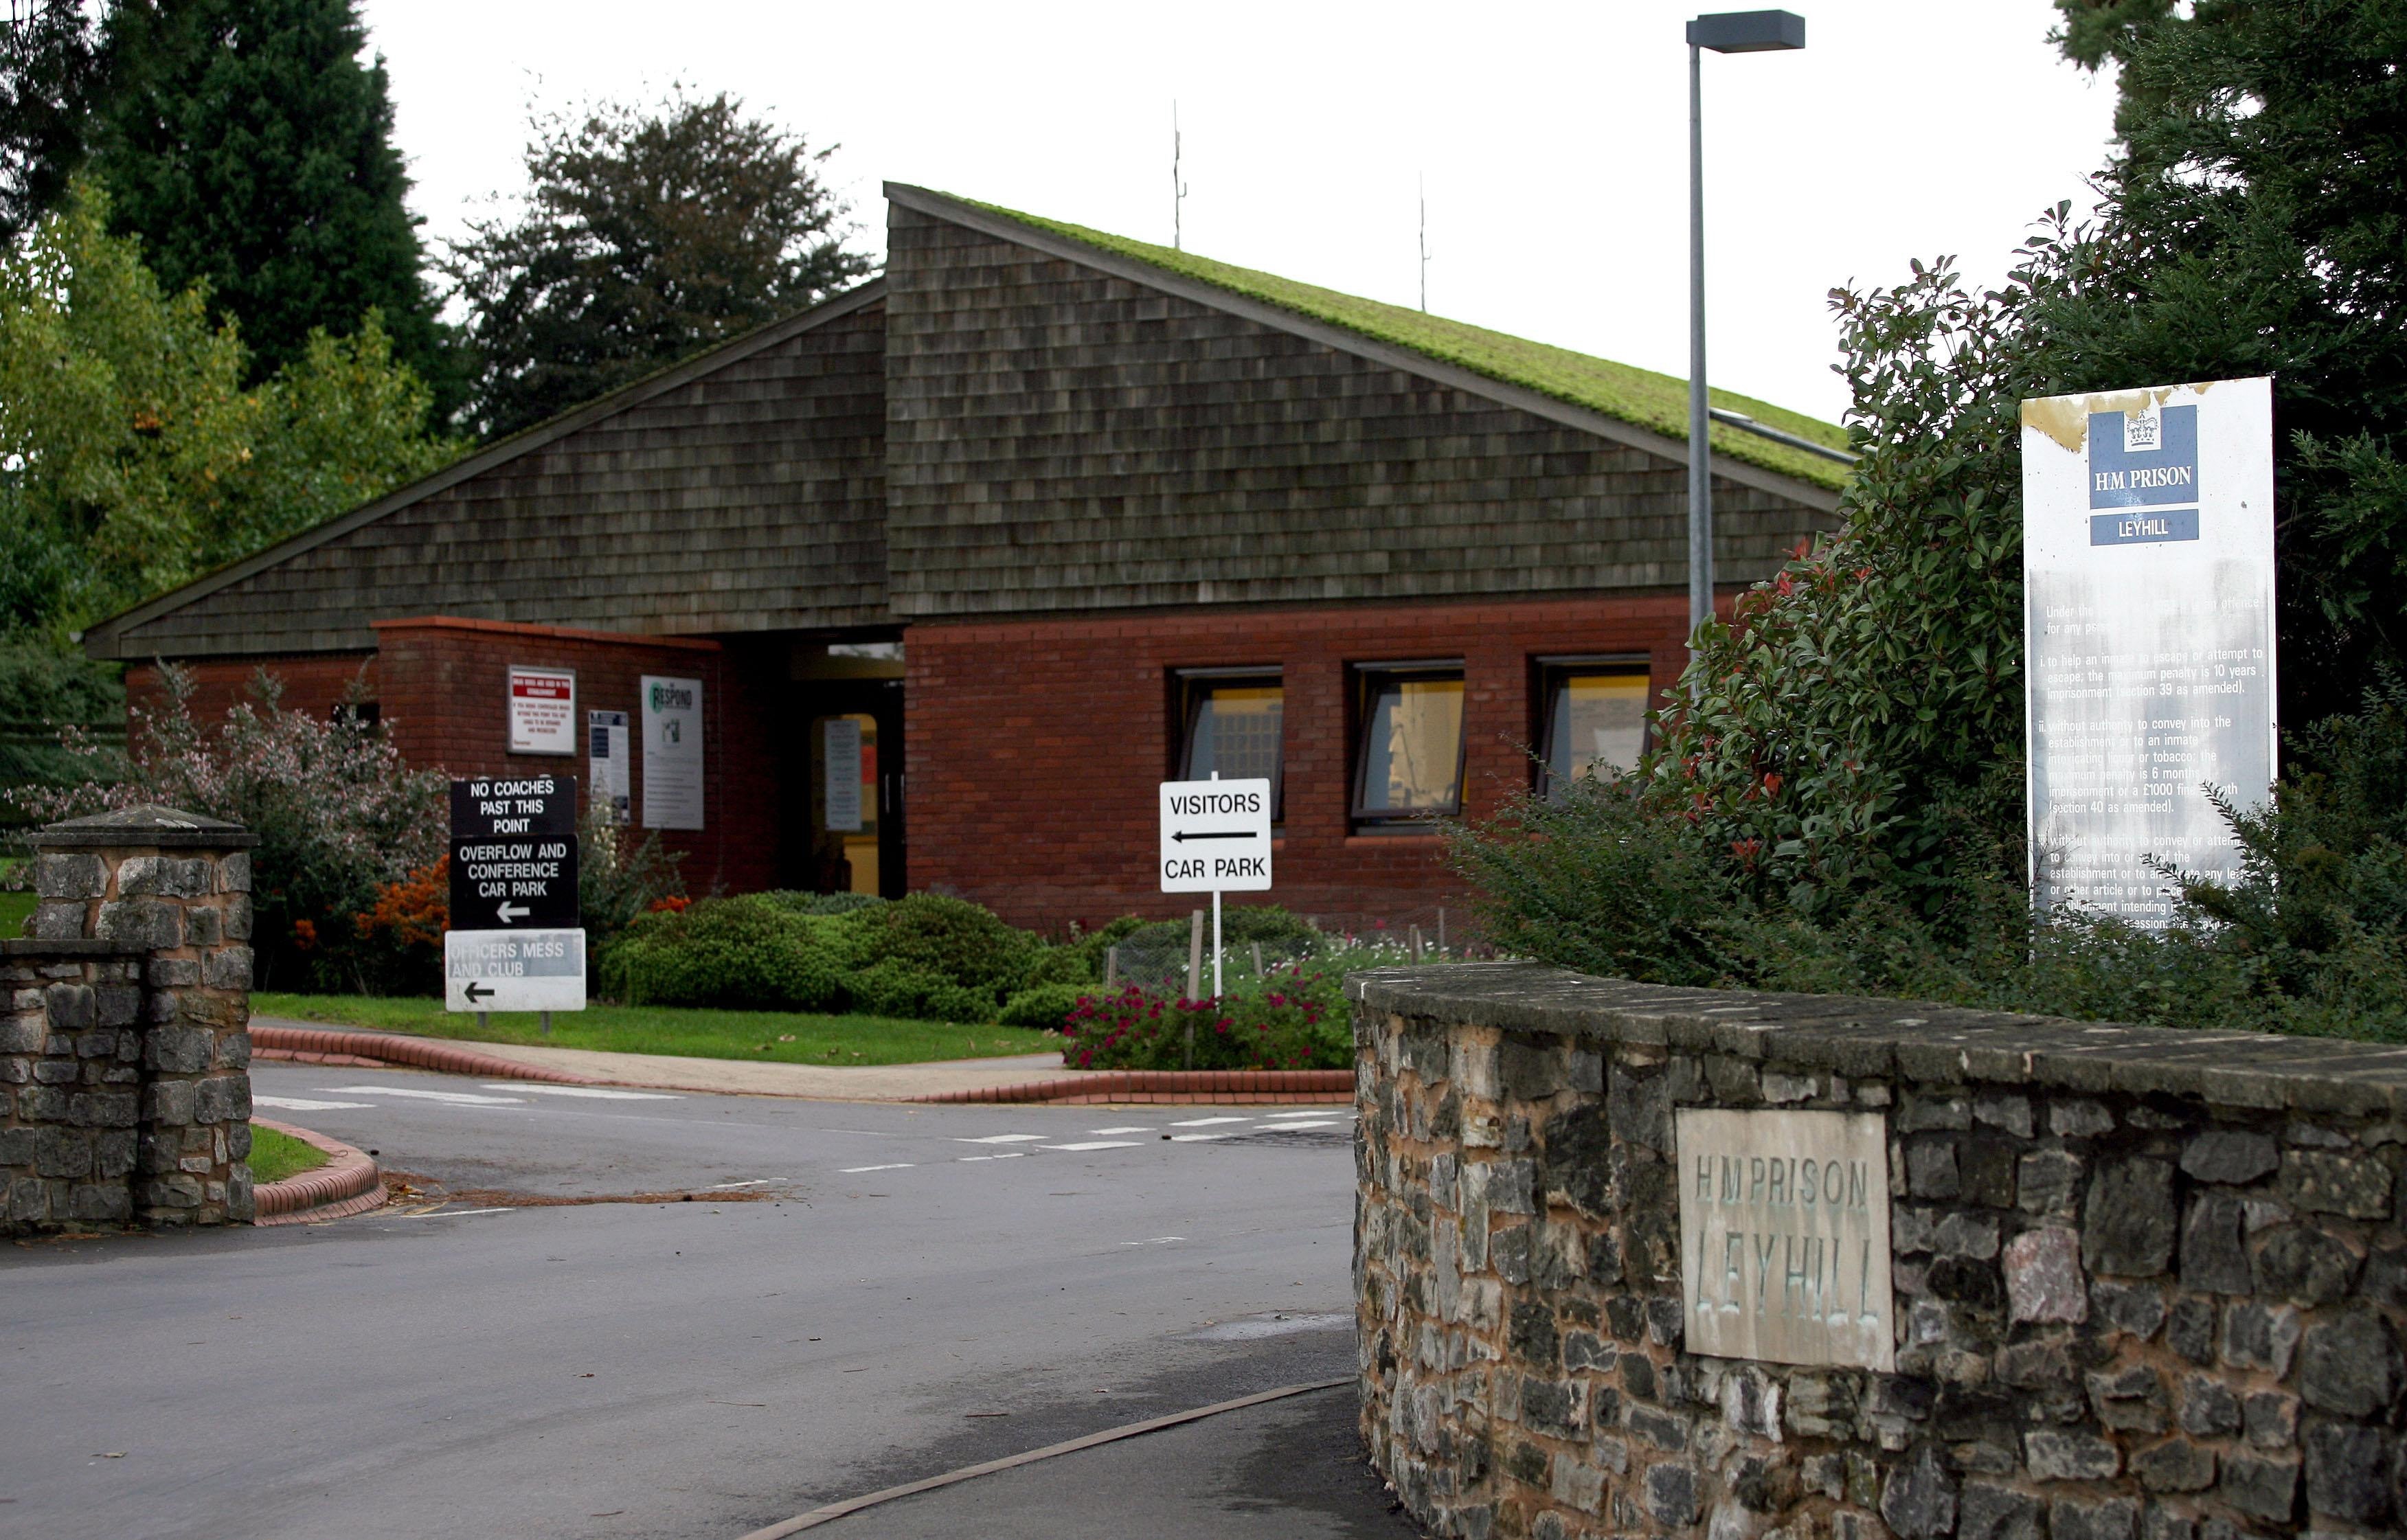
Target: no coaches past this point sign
[1216,836]
[514,853]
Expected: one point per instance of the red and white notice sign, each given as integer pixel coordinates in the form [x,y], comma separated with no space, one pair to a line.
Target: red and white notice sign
[543,710]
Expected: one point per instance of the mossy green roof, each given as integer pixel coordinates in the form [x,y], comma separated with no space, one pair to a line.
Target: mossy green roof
[1655,402]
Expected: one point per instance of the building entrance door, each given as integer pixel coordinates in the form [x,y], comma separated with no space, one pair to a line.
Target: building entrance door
[852,742]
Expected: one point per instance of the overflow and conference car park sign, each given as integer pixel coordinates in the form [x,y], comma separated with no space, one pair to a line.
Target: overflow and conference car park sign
[516,943]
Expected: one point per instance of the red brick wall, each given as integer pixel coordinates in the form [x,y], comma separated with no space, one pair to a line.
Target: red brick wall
[313,681]
[443,684]
[1034,748]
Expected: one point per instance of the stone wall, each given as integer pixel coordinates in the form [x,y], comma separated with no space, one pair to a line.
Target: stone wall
[2146,1285]
[124,1048]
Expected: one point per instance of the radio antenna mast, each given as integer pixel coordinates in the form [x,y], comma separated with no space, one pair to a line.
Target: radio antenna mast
[1178,185]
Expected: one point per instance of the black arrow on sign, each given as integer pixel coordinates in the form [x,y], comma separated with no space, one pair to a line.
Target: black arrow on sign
[1233,834]
[475,991]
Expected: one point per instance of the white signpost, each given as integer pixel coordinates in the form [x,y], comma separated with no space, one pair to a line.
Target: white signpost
[514,970]
[543,710]
[2149,634]
[1216,839]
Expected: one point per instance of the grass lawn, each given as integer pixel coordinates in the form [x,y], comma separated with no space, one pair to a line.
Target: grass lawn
[276,1156]
[15,909]
[762,1036]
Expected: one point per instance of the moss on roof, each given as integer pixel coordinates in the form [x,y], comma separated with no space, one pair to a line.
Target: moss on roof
[1658,402]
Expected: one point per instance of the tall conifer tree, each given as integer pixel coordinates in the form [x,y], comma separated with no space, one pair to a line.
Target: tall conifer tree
[251,148]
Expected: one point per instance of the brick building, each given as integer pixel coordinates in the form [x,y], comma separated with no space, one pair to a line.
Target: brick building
[942,575]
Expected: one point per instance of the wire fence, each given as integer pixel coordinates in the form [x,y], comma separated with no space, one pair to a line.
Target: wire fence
[1175,957]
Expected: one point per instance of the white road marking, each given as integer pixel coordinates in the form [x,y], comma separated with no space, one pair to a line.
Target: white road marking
[1157,1240]
[598,1093]
[1119,1131]
[1205,1123]
[1275,1127]
[460,1098]
[1098,1144]
[1194,1138]
[1007,1155]
[857,1170]
[453,1213]
[757,1181]
[1315,1112]
[1002,1139]
[303,1103]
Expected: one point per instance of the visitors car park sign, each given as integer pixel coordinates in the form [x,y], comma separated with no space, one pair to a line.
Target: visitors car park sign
[1216,836]
[515,942]
[2149,636]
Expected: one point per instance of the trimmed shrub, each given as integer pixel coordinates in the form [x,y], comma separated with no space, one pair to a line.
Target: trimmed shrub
[948,941]
[896,988]
[1044,1005]
[745,953]
[822,904]
[1060,965]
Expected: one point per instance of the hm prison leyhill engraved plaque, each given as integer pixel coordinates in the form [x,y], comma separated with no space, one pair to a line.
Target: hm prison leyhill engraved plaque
[1784,1237]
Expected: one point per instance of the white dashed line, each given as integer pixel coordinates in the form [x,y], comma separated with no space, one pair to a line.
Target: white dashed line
[1316,1112]
[757,1181]
[1194,1138]
[1119,1131]
[1274,1128]
[453,1213]
[1157,1240]
[1007,1155]
[459,1098]
[1204,1122]
[1002,1139]
[303,1103]
[1098,1144]
[598,1093]
[857,1170]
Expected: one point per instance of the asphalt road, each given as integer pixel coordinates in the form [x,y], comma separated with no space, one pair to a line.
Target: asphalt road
[823,1299]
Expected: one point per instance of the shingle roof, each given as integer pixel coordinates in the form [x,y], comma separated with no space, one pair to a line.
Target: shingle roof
[1655,402]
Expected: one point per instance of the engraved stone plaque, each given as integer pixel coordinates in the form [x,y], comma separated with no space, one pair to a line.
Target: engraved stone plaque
[1784,1237]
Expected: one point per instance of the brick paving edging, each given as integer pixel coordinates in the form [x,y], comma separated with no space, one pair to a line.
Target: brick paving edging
[377,1051]
[1171,1088]
[349,1183]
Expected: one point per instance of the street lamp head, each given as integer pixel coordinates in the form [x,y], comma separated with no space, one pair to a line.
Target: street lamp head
[1748,31]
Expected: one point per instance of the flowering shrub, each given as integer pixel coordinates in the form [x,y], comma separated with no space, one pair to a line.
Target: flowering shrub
[619,877]
[338,815]
[1138,1029]
[408,918]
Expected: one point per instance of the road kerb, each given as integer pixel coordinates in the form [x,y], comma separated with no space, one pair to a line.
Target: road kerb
[349,1183]
[363,1050]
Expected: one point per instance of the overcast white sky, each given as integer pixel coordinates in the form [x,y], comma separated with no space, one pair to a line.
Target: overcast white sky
[1552,139]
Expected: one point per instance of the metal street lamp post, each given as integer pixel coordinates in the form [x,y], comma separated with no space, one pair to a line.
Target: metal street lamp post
[1725,32]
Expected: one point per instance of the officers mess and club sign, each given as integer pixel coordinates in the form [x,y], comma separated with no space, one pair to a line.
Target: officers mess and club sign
[2148,632]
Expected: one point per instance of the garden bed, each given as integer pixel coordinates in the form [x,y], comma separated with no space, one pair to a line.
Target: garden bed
[276,1155]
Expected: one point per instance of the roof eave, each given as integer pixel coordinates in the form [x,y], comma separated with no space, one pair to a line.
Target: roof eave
[1536,402]
[105,640]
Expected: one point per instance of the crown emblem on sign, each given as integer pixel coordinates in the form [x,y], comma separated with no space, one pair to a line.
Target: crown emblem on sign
[2140,432]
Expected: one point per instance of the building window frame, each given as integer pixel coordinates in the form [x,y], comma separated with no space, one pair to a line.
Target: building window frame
[1193,688]
[1548,673]
[1366,681]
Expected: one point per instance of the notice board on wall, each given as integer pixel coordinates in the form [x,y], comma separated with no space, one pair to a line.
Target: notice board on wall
[673,767]
[2148,637]
[543,710]
[607,755]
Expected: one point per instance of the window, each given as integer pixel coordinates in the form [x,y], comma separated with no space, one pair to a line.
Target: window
[1235,724]
[1596,718]
[1408,760]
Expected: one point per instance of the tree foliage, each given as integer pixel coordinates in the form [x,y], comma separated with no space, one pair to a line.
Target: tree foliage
[138,458]
[645,237]
[251,148]
[49,78]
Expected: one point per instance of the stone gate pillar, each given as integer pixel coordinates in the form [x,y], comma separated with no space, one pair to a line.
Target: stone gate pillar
[125,1048]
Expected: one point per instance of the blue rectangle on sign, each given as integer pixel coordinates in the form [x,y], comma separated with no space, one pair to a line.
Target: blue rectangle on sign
[2143,528]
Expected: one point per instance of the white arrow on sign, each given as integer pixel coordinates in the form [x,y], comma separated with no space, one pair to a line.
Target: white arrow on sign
[513,911]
